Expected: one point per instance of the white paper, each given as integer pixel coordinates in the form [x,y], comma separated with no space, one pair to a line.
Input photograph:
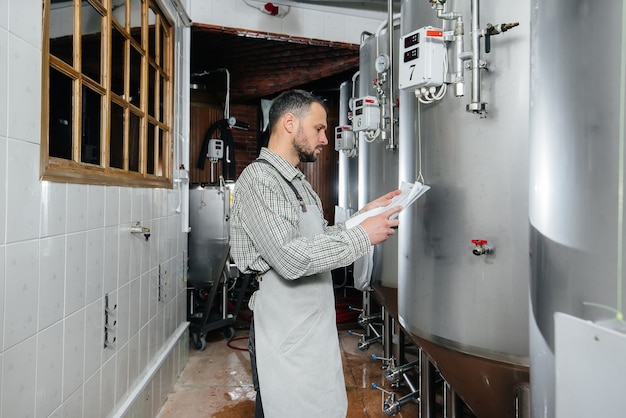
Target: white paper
[410,193]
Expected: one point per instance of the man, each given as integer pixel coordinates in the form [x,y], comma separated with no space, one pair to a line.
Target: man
[279,233]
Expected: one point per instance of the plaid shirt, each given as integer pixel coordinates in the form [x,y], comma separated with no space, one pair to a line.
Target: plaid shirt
[264,225]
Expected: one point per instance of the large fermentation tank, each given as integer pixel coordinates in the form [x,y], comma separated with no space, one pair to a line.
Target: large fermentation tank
[378,163]
[470,313]
[576,176]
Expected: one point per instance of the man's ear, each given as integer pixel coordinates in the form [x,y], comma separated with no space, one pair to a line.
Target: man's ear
[289,122]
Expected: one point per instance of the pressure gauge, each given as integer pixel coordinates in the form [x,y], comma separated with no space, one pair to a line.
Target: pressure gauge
[382,63]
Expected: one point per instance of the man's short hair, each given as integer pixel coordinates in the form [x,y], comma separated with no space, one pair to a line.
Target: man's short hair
[297,102]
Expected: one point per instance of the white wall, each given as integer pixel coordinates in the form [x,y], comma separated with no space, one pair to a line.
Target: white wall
[63,247]
[338,25]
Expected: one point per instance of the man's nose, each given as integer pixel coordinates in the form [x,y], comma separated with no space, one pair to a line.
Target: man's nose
[324,138]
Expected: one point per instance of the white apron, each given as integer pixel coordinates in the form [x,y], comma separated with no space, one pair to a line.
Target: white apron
[297,347]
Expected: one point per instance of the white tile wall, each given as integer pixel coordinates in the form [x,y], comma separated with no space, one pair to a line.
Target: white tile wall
[92,396]
[124,255]
[23,190]
[51,280]
[135,307]
[3,187]
[53,201]
[4,59]
[95,268]
[137,243]
[63,247]
[133,360]
[121,383]
[112,210]
[96,208]
[4,15]
[94,323]
[123,315]
[18,380]
[49,369]
[75,273]
[21,23]
[21,292]
[111,257]
[125,206]
[73,353]
[107,387]
[2,285]
[73,406]
[24,87]
[77,207]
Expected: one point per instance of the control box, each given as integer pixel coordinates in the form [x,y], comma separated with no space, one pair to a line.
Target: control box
[422,55]
[344,138]
[365,114]
[216,149]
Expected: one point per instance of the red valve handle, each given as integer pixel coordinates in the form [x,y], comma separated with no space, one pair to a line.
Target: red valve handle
[479,241]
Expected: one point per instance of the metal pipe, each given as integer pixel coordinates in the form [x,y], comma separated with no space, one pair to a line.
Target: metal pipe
[364,36]
[425,385]
[387,332]
[410,384]
[442,14]
[475,105]
[522,402]
[367,310]
[459,45]
[354,87]
[227,100]
[450,401]
[224,295]
[392,145]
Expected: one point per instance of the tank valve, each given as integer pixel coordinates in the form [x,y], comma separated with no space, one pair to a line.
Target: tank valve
[136,228]
[391,406]
[364,342]
[481,247]
[491,30]
[364,320]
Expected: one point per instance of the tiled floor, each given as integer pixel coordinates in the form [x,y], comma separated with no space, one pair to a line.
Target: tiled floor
[217,382]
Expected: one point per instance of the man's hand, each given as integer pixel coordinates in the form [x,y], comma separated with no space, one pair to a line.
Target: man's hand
[380,227]
[381,201]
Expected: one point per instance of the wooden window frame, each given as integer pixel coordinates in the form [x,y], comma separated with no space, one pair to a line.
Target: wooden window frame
[157,59]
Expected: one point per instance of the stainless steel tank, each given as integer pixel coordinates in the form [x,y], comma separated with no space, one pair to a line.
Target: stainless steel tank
[209,213]
[577,113]
[470,313]
[378,165]
[348,196]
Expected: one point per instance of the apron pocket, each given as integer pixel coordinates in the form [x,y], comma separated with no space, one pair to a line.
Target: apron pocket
[299,331]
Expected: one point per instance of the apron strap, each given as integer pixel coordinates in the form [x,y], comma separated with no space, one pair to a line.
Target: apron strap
[298,196]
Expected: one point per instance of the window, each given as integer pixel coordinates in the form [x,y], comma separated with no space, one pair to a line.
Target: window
[107,93]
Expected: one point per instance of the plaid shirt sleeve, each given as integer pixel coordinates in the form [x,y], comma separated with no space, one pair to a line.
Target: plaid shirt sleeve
[265,233]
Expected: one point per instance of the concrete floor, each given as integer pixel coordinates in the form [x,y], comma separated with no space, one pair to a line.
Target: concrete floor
[217,382]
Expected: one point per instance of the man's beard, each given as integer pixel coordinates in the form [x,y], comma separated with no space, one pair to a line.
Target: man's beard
[307,157]
[300,144]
